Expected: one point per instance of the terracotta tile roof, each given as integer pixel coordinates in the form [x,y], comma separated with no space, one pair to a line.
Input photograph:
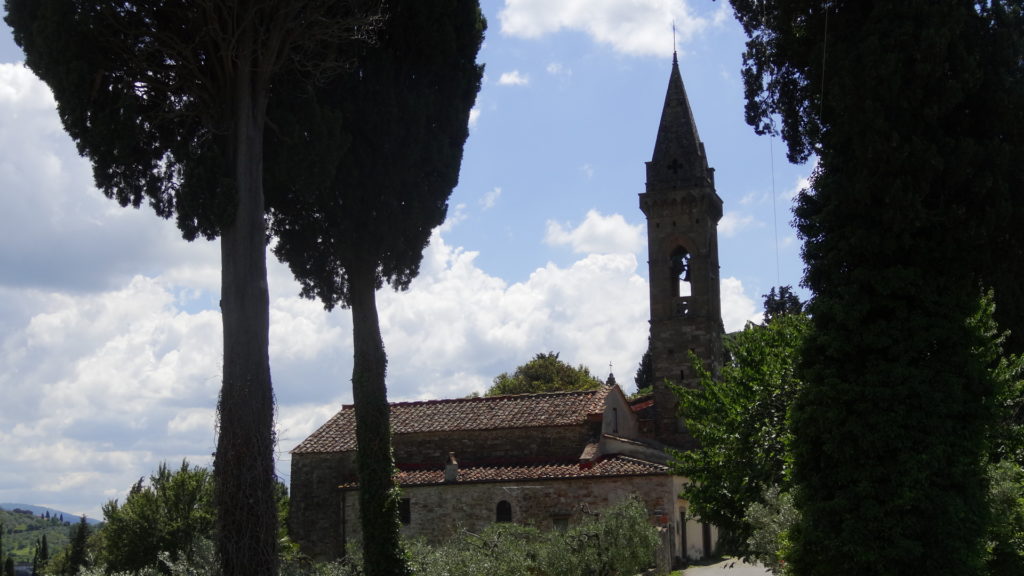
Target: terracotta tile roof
[614,466]
[489,413]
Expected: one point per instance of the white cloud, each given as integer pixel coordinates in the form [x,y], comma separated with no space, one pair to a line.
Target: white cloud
[487,202]
[598,234]
[474,116]
[733,222]
[557,69]
[637,27]
[513,78]
[801,184]
[588,171]
[480,326]
[737,307]
[455,216]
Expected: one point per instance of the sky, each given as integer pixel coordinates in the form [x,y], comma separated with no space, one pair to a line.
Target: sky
[110,333]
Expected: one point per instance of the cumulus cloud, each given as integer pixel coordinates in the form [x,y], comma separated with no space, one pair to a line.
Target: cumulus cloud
[801,184]
[557,69]
[41,173]
[733,222]
[513,78]
[598,234]
[636,27]
[487,202]
[474,116]
[737,307]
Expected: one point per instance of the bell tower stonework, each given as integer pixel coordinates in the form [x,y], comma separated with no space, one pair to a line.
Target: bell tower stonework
[682,210]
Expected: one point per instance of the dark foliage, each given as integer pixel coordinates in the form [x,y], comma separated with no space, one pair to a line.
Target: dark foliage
[404,112]
[914,110]
[168,99]
[644,377]
[77,554]
[781,303]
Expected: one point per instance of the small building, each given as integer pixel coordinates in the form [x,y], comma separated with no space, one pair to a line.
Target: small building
[549,459]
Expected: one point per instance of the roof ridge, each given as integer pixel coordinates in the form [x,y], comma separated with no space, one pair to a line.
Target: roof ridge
[487,398]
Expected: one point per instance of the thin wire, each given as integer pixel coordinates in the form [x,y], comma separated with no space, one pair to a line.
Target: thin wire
[771,158]
[775,212]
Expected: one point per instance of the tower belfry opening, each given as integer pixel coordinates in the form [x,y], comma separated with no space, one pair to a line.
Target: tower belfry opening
[682,210]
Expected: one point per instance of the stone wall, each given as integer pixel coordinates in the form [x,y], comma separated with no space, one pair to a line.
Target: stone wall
[314,516]
[438,512]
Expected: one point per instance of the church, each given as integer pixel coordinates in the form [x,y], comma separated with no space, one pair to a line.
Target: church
[550,459]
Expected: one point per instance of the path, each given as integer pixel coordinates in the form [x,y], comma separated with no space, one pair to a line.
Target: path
[730,567]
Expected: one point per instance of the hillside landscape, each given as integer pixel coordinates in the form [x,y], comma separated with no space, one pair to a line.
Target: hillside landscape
[22,532]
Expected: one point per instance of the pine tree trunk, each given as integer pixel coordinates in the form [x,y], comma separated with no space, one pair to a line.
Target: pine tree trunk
[244,462]
[378,495]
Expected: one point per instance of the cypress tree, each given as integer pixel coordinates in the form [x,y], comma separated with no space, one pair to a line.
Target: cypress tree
[913,109]
[77,555]
[405,111]
[169,100]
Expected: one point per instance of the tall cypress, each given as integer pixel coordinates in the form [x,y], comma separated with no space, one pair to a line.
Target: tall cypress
[913,109]
[404,111]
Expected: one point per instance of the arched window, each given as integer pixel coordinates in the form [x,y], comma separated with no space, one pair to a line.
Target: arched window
[680,277]
[504,512]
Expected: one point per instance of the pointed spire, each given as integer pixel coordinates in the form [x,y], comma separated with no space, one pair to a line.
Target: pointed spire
[678,160]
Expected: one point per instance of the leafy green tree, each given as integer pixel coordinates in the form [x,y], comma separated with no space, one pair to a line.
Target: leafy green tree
[168,99]
[1005,535]
[170,514]
[771,520]
[913,109]
[405,108]
[544,373]
[741,422]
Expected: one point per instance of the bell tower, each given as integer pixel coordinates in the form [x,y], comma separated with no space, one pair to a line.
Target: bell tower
[682,210]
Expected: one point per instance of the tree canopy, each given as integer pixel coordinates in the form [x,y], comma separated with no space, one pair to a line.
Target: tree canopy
[741,422]
[544,373]
[404,111]
[169,514]
[168,99]
[913,109]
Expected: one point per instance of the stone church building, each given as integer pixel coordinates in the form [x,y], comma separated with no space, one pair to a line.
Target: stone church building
[551,459]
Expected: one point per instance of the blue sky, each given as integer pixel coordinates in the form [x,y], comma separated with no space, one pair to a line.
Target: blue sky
[109,329]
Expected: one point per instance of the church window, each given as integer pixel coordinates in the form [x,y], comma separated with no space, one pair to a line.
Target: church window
[680,277]
[404,511]
[615,420]
[503,512]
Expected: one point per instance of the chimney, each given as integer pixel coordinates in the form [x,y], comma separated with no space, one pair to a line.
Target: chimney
[451,468]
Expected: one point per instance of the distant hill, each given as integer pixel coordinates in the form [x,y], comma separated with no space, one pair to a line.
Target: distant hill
[23,530]
[40,510]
